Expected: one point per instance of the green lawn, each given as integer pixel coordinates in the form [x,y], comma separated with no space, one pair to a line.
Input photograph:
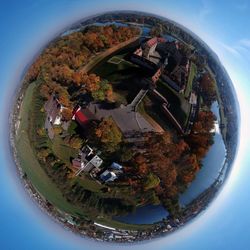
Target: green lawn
[62,150]
[88,184]
[30,164]
[115,60]
[192,73]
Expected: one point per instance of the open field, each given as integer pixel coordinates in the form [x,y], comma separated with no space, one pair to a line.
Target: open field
[192,73]
[62,150]
[30,164]
[115,60]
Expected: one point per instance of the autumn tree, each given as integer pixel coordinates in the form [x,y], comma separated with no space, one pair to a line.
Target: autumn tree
[151,181]
[208,91]
[67,114]
[41,131]
[43,153]
[104,92]
[75,142]
[57,130]
[91,82]
[109,134]
[47,89]
[125,153]
[201,136]
[34,70]
[156,31]
[62,74]
[142,166]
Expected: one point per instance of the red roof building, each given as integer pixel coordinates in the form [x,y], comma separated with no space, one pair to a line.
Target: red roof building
[82,116]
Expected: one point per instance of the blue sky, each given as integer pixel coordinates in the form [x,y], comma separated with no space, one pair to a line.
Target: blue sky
[26,26]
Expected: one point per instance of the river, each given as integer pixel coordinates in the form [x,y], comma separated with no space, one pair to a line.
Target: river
[148,214]
[211,164]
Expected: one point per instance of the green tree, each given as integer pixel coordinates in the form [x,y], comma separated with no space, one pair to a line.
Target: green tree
[151,181]
[43,153]
[109,134]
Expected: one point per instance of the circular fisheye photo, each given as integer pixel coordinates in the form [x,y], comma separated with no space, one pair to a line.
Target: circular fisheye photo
[125,127]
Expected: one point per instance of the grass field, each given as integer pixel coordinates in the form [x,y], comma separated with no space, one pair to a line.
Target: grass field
[88,184]
[62,150]
[30,164]
[192,73]
[115,60]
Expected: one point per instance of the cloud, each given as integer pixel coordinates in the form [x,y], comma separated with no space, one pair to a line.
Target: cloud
[240,49]
[206,10]
[245,43]
[231,49]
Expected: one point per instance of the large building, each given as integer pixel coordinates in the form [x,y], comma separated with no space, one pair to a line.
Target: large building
[163,59]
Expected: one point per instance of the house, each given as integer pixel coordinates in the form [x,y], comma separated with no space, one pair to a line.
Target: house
[163,59]
[54,110]
[108,176]
[87,161]
[76,163]
[82,116]
[79,116]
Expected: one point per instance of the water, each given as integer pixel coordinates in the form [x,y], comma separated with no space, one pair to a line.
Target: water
[144,215]
[145,29]
[212,164]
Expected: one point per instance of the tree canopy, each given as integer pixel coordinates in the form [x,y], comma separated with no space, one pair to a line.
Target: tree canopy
[109,134]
